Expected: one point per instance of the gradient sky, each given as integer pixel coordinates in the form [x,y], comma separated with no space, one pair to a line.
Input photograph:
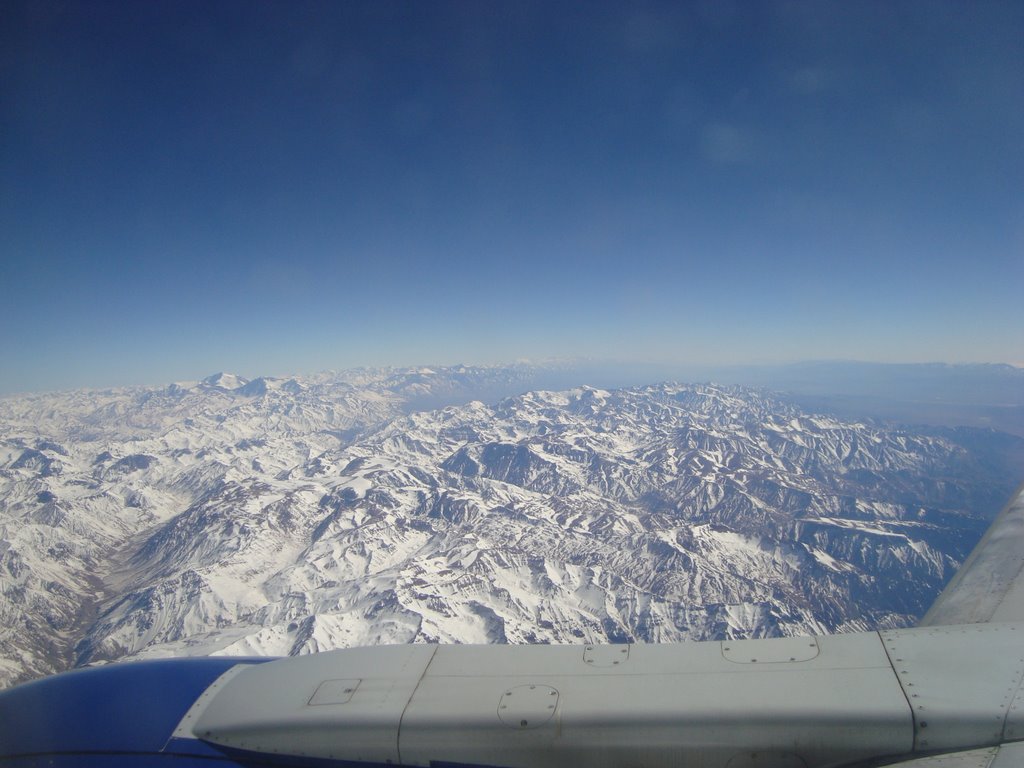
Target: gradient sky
[274,188]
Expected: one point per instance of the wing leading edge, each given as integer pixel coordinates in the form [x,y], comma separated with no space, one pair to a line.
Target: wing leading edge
[1004,756]
[989,587]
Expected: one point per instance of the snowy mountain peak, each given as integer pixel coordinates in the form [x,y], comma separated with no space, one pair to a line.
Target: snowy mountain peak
[225,381]
[320,512]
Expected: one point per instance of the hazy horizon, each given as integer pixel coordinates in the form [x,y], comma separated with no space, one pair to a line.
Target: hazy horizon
[636,372]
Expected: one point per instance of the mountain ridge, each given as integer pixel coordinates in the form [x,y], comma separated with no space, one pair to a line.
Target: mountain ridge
[286,519]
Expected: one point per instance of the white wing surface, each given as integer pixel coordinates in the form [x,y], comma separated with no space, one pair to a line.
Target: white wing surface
[1005,756]
[990,585]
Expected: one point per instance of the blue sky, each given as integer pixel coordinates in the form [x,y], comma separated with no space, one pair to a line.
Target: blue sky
[275,188]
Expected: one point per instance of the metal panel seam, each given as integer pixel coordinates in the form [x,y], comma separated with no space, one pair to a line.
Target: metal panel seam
[401,719]
[903,690]
[184,729]
[1011,700]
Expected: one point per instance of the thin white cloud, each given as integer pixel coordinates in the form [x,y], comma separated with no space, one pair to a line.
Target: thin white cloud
[726,143]
[809,80]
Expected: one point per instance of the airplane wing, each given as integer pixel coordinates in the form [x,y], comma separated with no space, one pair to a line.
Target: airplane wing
[1004,756]
[989,587]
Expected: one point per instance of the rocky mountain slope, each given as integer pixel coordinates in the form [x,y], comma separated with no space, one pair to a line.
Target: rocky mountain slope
[279,517]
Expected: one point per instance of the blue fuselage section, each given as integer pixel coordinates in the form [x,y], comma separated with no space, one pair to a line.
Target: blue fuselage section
[116,715]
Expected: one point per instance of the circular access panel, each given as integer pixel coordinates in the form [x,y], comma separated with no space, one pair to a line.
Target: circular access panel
[527,706]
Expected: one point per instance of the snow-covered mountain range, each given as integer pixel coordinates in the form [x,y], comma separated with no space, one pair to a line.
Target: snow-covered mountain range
[287,516]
